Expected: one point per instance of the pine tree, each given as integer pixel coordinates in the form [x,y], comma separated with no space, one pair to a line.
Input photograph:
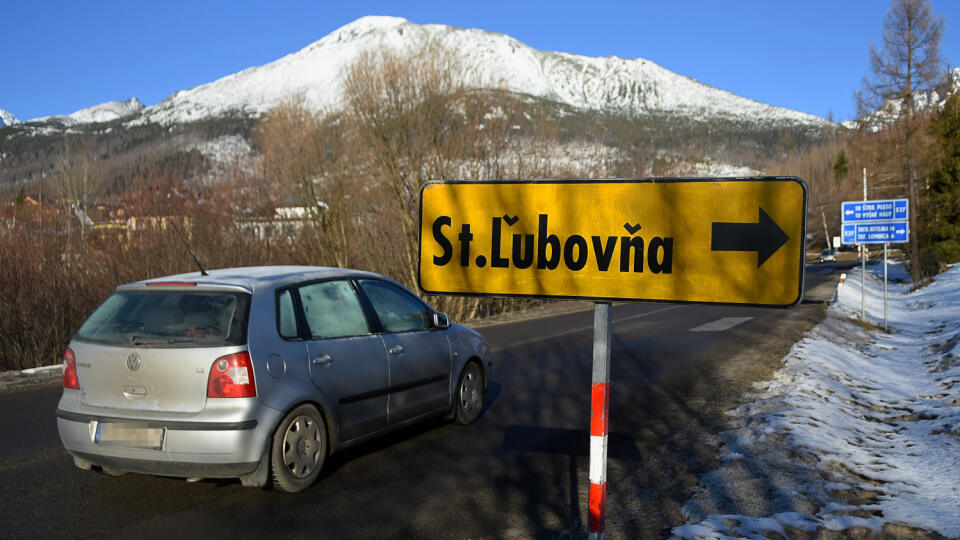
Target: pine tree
[940,235]
[841,167]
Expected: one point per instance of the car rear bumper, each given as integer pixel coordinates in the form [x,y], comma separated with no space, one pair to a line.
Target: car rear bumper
[169,468]
[201,446]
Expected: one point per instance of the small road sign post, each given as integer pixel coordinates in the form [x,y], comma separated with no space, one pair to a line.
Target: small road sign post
[875,222]
[599,419]
[696,240]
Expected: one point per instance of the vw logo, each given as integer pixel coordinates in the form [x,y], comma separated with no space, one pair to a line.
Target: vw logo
[133,362]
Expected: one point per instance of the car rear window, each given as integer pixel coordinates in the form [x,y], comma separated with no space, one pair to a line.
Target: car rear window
[169,319]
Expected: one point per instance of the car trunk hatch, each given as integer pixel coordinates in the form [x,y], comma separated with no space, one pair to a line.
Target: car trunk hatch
[145,379]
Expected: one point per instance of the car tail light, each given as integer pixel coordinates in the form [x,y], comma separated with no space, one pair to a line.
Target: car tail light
[231,376]
[70,370]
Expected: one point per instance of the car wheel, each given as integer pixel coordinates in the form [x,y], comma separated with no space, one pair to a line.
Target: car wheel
[299,449]
[468,400]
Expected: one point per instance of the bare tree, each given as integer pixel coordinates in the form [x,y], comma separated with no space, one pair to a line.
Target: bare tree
[405,107]
[306,154]
[908,62]
[77,182]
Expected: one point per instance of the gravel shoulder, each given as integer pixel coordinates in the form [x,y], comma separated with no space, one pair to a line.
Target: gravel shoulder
[15,381]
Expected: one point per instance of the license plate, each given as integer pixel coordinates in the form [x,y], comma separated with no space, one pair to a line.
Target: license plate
[129,435]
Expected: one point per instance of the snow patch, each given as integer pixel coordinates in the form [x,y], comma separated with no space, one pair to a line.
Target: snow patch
[715,169]
[859,430]
[223,153]
[104,112]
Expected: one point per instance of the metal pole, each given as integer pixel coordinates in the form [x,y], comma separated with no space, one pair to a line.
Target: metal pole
[885,329]
[599,421]
[863,279]
[863,261]
[826,233]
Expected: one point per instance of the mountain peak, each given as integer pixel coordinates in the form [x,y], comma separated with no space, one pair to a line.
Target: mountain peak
[7,118]
[316,74]
[370,23]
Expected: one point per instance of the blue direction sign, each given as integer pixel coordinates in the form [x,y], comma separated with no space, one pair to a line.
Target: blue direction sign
[883,210]
[891,232]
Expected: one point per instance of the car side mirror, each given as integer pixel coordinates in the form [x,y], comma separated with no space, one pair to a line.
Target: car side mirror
[441,320]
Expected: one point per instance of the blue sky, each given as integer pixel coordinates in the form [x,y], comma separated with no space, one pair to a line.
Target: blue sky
[809,55]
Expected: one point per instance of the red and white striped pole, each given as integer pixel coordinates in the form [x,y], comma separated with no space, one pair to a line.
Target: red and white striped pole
[599,421]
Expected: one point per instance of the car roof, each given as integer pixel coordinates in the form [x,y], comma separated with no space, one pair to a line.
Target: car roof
[252,278]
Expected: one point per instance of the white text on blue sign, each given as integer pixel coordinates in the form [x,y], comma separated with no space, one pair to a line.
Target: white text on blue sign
[875,233]
[881,210]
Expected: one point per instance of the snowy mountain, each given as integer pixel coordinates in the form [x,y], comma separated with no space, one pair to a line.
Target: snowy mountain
[653,121]
[7,118]
[316,73]
[934,98]
[104,112]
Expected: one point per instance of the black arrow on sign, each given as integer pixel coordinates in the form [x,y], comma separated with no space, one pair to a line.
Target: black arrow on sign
[764,237]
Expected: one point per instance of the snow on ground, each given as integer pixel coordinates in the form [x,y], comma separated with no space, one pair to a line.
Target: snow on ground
[223,153]
[715,169]
[859,431]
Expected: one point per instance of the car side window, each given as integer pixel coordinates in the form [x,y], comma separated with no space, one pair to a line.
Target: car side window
[286,316]
[397,309]
[332,309]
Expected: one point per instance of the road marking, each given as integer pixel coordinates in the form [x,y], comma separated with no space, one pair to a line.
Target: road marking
[583,328]
[630,326]
[720,325]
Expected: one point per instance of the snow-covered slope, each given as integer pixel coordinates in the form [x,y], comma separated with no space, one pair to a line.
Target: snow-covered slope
[7,118]
[935,98]
[104,112]
[612,84]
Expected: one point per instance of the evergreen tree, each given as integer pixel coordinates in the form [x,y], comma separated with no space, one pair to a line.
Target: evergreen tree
[841,167]
[940,233]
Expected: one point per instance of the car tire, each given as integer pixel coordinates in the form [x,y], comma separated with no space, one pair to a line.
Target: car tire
[468,398]
[299,449]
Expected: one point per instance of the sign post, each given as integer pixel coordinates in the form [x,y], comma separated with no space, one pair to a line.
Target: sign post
[599,420]
[875,222]
[885,328]
[707,240]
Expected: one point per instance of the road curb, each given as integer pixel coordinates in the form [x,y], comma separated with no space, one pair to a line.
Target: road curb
[14,380]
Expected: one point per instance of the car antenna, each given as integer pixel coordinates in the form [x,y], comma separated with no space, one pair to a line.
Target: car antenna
[189,250]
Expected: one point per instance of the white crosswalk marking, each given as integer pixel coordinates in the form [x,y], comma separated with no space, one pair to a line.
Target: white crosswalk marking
[720,325]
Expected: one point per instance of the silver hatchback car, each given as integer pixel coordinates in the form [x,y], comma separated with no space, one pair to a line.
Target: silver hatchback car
[259,373]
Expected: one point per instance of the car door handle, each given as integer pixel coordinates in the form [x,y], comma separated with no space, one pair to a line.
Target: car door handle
[396,349]
[323,360]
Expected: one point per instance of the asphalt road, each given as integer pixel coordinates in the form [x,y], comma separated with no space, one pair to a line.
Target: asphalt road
[519,472]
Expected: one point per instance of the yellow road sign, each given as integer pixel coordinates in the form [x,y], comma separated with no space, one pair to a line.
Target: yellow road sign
[715,240]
